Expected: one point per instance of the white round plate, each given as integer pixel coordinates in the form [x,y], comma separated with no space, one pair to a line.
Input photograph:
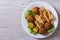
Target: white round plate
[39,4]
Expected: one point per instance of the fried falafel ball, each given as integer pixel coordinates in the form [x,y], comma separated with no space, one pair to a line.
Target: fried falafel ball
[35,10]
[47,25]
[42,30]
[30,18]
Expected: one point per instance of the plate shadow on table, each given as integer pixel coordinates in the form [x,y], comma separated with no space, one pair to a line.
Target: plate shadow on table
[56,33]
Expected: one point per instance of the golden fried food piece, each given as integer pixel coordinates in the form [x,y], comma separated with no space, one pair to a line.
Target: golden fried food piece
[39,19]
[47,25]
[30,18]
[42,30]
[35,10]
[42,9]
[46,16]
[37,24]
[50,15]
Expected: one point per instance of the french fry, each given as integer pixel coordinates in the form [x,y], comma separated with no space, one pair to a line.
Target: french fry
[37,24]
[44,13]
[50,15]
[38,18]
[42,9]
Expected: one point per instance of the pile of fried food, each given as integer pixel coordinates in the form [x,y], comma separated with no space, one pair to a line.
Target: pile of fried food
[40,20]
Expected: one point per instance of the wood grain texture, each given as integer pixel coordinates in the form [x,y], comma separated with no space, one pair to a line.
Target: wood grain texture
[10,20]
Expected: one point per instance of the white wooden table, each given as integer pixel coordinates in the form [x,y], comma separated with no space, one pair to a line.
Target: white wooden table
[10,20]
